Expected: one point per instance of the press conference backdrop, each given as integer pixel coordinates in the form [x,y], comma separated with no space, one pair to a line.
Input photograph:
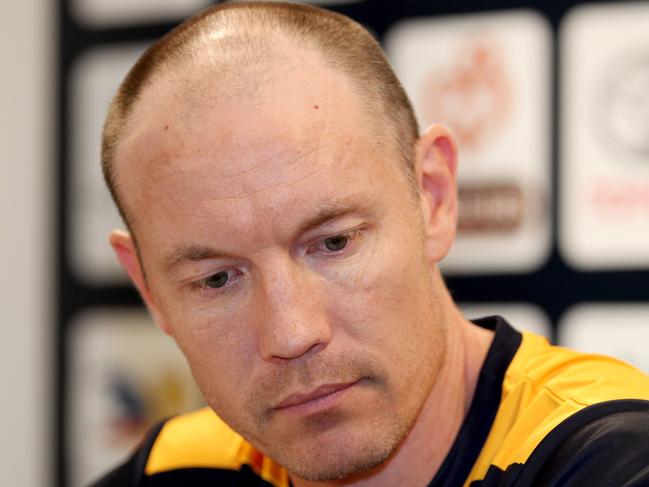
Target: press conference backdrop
[549,103]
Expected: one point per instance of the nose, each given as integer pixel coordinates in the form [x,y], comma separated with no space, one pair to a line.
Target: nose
[293,321]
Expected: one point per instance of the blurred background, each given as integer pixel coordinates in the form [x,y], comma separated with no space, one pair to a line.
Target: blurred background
[549,103]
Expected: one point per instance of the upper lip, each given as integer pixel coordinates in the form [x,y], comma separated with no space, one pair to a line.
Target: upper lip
[324,390]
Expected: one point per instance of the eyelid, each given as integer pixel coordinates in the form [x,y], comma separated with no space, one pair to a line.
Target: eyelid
[200,285]
[354,234]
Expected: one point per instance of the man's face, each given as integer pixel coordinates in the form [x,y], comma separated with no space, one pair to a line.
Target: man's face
[285,254]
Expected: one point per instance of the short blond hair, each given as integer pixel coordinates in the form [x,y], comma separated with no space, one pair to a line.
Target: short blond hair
[341,42]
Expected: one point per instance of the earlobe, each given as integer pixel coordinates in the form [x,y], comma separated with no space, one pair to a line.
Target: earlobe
[436,166]
[124,247]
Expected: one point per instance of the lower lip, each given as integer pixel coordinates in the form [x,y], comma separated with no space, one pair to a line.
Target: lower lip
[318,404]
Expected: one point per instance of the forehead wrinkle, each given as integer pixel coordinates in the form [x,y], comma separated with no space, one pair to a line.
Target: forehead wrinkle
[305,157]
[260,191]
[280,153]
[313,169]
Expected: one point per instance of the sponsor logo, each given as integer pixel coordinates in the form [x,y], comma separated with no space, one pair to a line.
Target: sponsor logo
[472,95]
[134,404]
[615,198]
[487,208]
[622,103]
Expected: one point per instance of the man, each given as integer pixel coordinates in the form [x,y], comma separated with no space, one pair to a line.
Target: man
[285,224]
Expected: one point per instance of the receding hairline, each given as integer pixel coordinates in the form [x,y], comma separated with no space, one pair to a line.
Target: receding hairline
[181,48]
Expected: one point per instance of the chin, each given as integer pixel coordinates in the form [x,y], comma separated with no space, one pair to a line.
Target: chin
[338,465]
[341,455]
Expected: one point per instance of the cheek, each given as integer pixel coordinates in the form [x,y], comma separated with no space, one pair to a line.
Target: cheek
[221,372]
[218,350]
[387,294]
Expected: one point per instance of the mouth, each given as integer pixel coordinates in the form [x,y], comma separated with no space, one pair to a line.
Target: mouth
[320,398]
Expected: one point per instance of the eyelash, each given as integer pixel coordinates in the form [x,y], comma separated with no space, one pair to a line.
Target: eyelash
[201,284]
[351,237]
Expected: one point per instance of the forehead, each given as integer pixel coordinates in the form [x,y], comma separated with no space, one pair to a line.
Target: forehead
[291,137]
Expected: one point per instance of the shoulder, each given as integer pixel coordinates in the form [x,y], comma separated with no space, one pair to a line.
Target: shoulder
[573,376]
[600,446]
[547,384]
[547,390]
[195,449]
[605,444]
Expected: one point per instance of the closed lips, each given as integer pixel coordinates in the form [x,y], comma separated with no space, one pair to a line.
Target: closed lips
[320,392]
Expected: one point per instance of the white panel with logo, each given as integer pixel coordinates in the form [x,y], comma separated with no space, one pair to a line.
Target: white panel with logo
[94,80]
[124,375]
[604,216]
[618,330]
[487,77]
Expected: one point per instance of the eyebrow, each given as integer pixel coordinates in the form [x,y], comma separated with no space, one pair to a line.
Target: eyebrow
[334,210]
[325,213]
[191,253]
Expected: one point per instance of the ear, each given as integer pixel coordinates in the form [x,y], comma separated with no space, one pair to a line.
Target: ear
[436,171]
[126,253]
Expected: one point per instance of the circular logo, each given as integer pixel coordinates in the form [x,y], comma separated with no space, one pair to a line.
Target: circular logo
[624,103]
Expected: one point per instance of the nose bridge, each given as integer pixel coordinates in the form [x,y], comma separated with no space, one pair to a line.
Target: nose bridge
[293,319]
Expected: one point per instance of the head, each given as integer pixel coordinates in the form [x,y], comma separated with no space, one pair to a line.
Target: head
[282,240]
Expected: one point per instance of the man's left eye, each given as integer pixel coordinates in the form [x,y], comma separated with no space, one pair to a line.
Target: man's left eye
[217,280]
[336,243]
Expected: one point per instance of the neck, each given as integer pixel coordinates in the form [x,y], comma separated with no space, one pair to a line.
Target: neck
[419,457]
